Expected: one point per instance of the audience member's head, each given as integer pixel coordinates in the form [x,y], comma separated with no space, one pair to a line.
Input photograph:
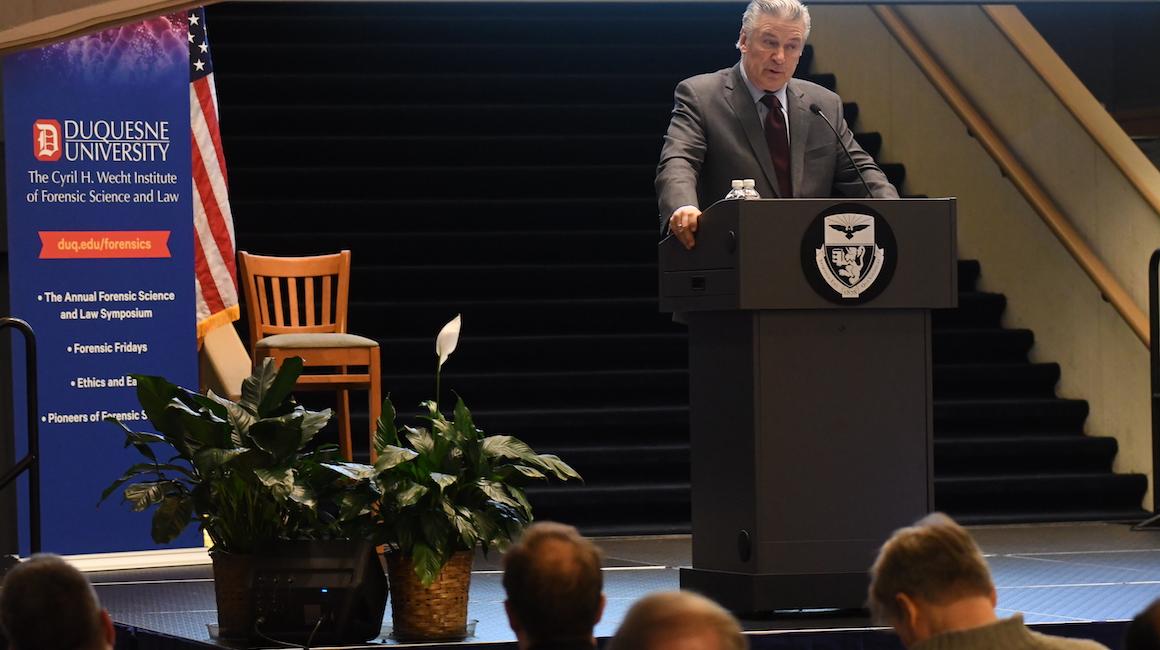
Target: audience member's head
[46,604]
[554,586]
[931,578]
[678,620]
[1144,631]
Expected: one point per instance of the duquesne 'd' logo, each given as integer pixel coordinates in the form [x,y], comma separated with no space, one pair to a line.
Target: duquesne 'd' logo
[46,141]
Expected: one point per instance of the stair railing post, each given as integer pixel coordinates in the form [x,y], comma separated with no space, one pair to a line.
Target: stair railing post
[31,461]
[1154,375]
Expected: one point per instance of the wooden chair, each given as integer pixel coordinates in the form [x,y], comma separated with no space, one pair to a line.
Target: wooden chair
[297,308]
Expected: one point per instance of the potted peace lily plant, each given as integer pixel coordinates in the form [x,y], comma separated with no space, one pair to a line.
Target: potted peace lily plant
[242,471]
[439,489]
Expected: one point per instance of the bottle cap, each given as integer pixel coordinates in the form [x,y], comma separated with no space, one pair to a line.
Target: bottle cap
[749,183]
[737,184]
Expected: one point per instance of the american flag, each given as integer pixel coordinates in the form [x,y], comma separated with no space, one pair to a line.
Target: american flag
[213,246]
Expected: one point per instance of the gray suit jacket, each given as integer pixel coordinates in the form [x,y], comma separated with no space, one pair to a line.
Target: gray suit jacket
[716,135]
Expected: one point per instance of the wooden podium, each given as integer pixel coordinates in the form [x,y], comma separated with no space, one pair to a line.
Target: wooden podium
[810,389]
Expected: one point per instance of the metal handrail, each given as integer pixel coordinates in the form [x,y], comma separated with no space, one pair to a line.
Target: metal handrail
[31,461]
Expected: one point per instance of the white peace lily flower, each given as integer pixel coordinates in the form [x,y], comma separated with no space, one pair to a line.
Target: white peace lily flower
[447,340]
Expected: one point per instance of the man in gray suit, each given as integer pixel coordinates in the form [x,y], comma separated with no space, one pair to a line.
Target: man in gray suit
[755,120]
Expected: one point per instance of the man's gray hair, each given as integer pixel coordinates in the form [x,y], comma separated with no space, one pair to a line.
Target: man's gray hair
[786,9]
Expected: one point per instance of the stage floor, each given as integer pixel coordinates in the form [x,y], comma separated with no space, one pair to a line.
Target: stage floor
[1052,574]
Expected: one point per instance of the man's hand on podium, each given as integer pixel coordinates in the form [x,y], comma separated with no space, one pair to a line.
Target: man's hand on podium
[683,224]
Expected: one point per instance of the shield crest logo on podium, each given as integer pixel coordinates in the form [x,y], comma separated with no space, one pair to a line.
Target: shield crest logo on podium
[848,253]
[849,259]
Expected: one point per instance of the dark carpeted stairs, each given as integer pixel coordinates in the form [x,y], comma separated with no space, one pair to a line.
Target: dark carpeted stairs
[496,160]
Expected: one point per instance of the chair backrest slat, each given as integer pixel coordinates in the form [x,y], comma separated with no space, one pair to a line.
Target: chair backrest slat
[309,282]
[326,300]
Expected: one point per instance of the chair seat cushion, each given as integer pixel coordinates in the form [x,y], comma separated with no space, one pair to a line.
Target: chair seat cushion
[317,340]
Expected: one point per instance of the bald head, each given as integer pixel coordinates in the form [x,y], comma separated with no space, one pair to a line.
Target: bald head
[553,583]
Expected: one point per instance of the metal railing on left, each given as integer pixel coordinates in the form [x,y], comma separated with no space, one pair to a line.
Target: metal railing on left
[31,461]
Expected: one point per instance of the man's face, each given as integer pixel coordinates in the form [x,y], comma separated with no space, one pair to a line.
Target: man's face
[770,52]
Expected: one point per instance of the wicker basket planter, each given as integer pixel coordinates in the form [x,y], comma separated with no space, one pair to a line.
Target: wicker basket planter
[438,612]
[232,576]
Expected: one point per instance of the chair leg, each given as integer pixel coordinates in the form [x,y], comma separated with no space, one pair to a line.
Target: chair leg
[375,396]
[344,424]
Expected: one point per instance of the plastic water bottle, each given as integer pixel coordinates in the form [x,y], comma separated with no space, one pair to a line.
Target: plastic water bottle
[747,191]
[738,191]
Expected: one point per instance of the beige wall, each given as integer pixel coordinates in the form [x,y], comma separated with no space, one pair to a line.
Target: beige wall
[1102,360]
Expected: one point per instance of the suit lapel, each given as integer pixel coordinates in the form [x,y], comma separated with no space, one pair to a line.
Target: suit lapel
[799,128]
[737,94]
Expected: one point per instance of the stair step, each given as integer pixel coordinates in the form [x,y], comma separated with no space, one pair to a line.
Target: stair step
[509,317]
[469,246]
[1013,454]
[555,391]
[652,350]
[446,119]
[965,380]
[976,309]
[984,517]
[601,464]
[969,271]
[432,150]
[373,87]
[469,182]
[397,215]
[981,345]
[1006,416]
[368,28]
[678,58]
[511,281]
[1050,494]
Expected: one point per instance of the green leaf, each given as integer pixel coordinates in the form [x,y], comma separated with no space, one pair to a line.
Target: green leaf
[133,471]
[154,395]
[497,492]
[428,563]
[513,448]
[312,423]
[278,436]
[210,403]
[202,427]
[355,471]
[171,518]
[391,456]
[209,459]
[278,391]
[507,447]
[464,425]
[143,495]
[444,481]
[238,417]
[403,494]
[269,386]
[385,432]
[420,439]
[280,481]
[559,468]
[508,471]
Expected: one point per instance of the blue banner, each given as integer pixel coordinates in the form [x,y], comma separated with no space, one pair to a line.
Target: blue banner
[100,237]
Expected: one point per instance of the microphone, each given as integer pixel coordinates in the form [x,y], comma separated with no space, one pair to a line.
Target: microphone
[817,110]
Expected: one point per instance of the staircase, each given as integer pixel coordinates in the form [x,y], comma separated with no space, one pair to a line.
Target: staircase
[496,160]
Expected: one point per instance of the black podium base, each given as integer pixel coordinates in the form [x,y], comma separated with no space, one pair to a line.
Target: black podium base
[746,593]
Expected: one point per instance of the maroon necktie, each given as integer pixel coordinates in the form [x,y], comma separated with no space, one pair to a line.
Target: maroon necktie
[778,141]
